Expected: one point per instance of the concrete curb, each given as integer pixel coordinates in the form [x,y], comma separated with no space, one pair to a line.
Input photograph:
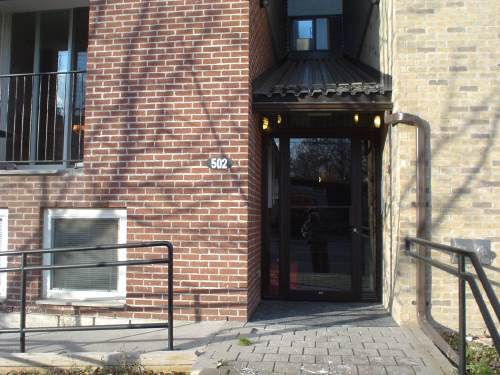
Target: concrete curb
[181,360]
[426,345]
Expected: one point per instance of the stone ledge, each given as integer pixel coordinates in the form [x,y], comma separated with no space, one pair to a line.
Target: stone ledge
[181,360]
[114,304]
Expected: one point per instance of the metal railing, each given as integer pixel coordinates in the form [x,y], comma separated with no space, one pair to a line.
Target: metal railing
[42,118]
[463,276]
[24,268]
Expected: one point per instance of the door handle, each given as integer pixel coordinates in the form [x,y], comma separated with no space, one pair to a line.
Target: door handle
[355,230]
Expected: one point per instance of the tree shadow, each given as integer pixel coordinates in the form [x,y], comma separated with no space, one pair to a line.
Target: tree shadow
[142,131]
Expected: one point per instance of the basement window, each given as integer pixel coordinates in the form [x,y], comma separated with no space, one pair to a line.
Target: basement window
[310,34]
[80,228]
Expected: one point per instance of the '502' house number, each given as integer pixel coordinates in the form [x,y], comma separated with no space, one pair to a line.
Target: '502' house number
[220,163]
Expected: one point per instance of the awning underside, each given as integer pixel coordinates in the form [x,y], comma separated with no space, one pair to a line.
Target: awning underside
[318,76]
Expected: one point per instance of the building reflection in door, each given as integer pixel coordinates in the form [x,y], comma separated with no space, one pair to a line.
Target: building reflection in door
[312,230]
[320,199]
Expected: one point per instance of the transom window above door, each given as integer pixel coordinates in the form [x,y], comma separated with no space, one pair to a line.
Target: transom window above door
[43,93]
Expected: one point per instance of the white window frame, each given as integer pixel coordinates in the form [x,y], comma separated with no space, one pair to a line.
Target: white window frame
[76,213]
[4,214]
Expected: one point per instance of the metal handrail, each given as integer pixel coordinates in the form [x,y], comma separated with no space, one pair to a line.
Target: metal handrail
[41,73]
[463,277]
[24,268]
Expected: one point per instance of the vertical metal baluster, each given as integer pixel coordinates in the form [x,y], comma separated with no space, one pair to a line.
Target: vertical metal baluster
[82,106]
[170,296]
[71,120]
[66,118]
[55,120]
[15,120]
[40,78]
[7,98]
[22,319]
[22,120]
[31,118]
[47,117]
[462,344]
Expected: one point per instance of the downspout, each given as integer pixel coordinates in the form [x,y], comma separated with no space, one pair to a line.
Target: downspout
[423,137]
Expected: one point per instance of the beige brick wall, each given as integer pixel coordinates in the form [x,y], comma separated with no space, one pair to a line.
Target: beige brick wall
[445,69]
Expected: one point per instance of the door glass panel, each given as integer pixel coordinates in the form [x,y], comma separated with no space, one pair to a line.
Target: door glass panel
[273,218]
[368,199]
[320,249]
[320,203]
[54,57]
[320,172]
[20,89]
[23,40]
[81,30]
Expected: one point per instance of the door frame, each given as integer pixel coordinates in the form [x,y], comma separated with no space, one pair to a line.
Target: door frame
[374,135]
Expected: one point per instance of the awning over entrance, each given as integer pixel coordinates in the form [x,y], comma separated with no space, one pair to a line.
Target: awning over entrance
[320,79]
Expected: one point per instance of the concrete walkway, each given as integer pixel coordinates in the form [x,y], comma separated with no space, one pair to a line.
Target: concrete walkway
[284,337]
[108,348]
[339,338]
[187,336]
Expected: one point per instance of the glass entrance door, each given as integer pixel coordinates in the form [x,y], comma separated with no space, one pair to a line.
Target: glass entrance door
[320,237]
[320,248]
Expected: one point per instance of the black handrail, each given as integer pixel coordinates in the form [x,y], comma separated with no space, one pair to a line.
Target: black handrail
[24,268]
[463,277]
[42,73]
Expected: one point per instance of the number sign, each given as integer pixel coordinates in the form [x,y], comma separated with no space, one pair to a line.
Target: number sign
[220,163]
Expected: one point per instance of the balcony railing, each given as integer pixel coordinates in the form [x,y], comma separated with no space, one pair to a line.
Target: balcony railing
[42,119]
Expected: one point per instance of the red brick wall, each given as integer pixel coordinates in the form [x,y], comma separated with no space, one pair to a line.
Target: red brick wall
[261,58]
[168,86]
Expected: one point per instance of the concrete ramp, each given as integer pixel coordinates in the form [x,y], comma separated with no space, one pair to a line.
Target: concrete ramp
[285,337]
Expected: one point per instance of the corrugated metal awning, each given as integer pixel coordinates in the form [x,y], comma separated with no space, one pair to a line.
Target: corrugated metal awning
[313,76]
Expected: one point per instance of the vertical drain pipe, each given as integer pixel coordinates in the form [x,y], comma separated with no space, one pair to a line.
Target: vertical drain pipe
[423,136]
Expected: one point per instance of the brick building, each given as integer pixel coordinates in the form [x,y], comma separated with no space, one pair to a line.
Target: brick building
[113,110]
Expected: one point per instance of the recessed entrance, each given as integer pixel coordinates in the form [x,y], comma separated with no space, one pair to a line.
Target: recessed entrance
[321,215]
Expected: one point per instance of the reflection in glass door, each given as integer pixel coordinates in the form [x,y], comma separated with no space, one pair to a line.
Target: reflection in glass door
[320,245]
[271,258]
[320,233]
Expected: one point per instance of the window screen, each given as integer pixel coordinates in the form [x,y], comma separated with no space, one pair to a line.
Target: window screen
[85,232]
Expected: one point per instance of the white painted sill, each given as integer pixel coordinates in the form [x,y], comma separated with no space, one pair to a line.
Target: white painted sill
[112,304]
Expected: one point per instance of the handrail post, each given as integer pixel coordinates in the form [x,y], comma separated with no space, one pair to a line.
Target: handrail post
[170,296]
[462,344]
[22,318]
